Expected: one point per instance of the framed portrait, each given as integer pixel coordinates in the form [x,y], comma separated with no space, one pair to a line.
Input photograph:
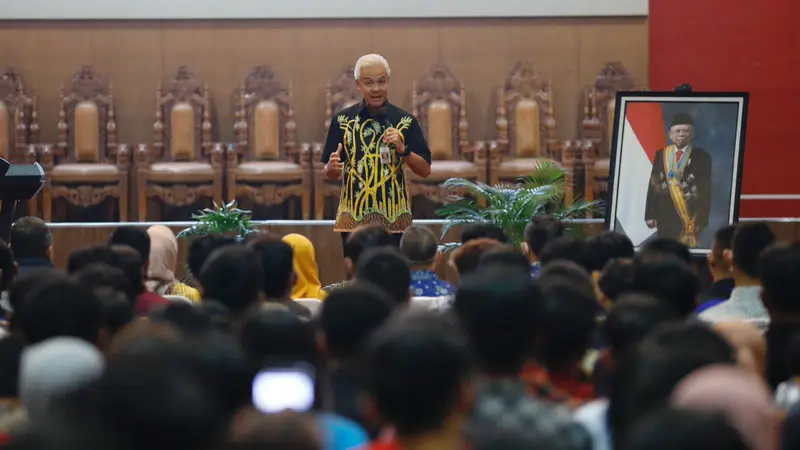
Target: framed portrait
[676,165]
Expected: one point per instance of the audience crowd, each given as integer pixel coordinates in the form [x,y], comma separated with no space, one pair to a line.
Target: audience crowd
[563,344]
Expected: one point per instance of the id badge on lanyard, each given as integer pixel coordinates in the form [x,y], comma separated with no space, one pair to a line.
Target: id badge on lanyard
[386,154]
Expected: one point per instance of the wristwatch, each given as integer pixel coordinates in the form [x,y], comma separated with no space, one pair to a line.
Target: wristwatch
[404,154]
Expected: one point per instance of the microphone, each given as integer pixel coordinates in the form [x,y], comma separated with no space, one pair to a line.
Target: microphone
[383,117]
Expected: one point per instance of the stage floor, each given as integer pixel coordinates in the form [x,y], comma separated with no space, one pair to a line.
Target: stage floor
[68,237]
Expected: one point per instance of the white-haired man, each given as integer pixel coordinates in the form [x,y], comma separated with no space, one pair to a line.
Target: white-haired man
[369,144]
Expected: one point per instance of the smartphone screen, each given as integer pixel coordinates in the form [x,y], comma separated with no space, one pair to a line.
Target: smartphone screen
[279,389]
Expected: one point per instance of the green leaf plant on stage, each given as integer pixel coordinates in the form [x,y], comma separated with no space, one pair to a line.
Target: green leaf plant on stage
[227,220]
[509,206]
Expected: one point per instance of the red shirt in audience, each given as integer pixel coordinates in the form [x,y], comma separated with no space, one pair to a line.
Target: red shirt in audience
[148,301]
[569,390]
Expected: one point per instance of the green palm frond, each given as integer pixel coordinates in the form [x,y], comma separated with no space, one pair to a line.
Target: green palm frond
[225,219]
[508,206]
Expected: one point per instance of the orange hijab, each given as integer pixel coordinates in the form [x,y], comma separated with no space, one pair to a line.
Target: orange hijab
[305,267]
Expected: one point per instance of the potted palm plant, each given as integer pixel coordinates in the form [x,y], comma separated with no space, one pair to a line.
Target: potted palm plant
[511,206]
[227,220]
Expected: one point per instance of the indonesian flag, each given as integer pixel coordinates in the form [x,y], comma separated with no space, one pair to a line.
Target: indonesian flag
[643,135]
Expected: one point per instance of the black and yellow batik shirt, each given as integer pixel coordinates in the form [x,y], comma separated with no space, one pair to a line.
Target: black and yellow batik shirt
[373,192]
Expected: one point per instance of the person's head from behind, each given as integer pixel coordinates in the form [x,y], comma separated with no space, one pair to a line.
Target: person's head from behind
[779,273]
[60,306]
[201,248]
[252,429]
[277,336]
[349,316]
[569,319]
[387,269]
[682,429]
[502,315]
[568,272]
[118,311]
[742,396]
[664,248]
[632,318]
[188,319]
[749,240]
[505,257]
[78,363]
[130,262]
[419,375]
[718,264]
[93,254]
[484,231]
[100,276]
[466,258]
[8,268]
[30,238]
[569,249]
[232,275]
[609,246]
[615,280]
[277,265]
[670,280]
[645,377]
[361,240]
[421,247]
[134,237]
[539,232]
[22,286]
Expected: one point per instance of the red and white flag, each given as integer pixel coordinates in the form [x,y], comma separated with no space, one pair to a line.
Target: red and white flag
[643,135]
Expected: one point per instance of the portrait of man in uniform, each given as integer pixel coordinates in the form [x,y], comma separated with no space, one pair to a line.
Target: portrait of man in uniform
[676,165]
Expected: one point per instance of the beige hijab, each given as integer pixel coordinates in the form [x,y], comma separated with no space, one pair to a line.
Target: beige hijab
[163,255]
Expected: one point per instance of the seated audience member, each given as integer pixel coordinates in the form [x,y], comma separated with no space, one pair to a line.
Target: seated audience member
[19,290]
[615,280]
[201,248]
[388,270]
[664,248]
[349,316]
[749,240]
[112,289]
[504,258]
[538,233]
[741,396]
[569,327]
[779,272]
[787,394]
[645,378]
[101,276]
[232,277]
[93,254]
[568,249]
[11,350]
[8,272]
[131,263]
[719,268]
[59,306]
[253,429]
[118,311]
[78,364]
[420,379]
[569,272]
[749,343]
[628,322]
[484,230]
[421,248]
[135,238]
[305,268]
[671,281]
[31,244]
[362,239]
[465,258]
[190,320]
[162,265]
[278,275]
[502,316]
[281,337]
[608,246]
[680,429]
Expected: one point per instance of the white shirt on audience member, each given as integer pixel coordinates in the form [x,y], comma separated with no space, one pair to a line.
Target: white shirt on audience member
[745,304]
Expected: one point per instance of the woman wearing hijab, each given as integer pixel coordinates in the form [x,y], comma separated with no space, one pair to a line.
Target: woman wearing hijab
[163,261]
[305,267]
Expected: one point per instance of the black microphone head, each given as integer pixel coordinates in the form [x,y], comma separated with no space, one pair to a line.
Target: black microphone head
[383,115]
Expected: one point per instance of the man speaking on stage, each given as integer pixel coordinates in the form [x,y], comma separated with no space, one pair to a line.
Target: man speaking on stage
[369,144]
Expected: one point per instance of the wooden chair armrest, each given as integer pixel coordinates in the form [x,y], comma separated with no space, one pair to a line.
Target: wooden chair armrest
[123,156]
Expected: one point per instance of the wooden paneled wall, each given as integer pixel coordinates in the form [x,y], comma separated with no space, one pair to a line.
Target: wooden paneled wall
[137,55]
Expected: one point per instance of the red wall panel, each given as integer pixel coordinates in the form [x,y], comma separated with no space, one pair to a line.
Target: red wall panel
[754,46]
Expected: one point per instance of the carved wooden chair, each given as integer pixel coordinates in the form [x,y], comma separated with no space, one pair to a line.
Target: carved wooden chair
[19,125]
[526,129]
[87,164]
[339,94]
[597,126]
[266,164]
[438,102]
[182,164]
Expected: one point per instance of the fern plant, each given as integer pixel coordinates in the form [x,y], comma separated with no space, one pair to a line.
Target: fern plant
[511,207]
[226,219]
